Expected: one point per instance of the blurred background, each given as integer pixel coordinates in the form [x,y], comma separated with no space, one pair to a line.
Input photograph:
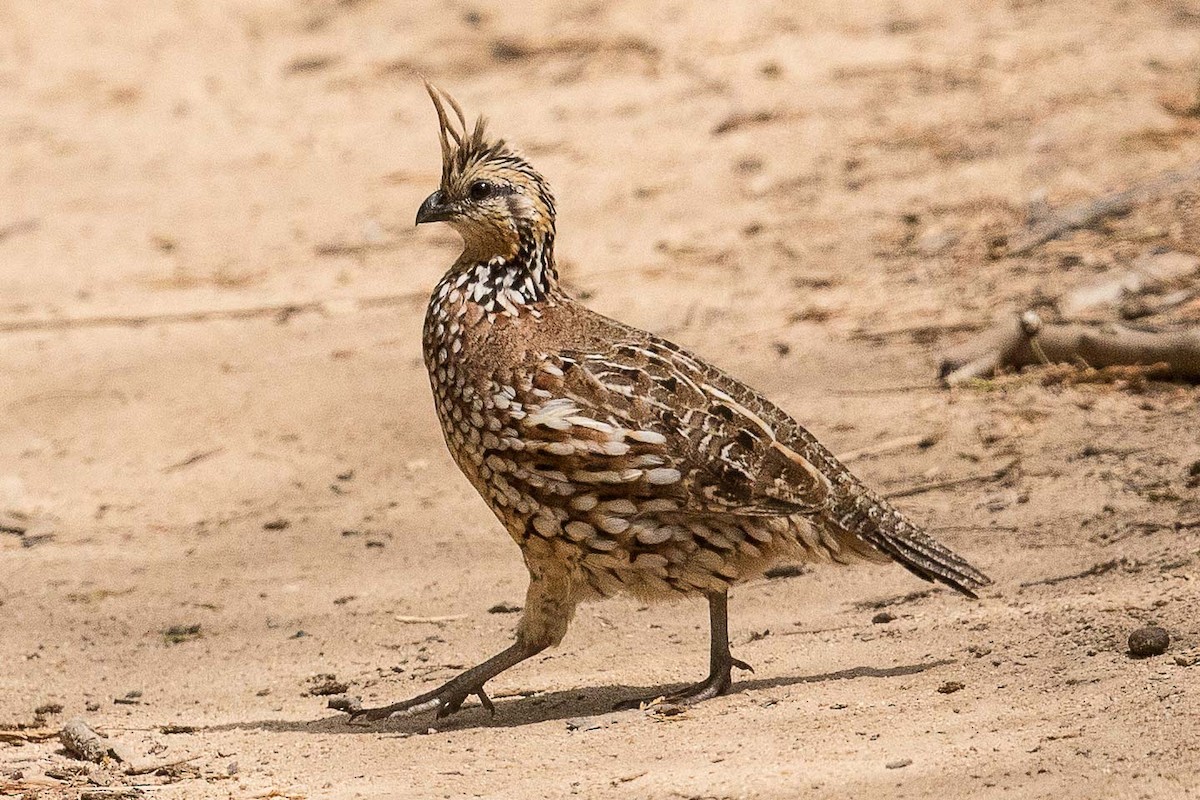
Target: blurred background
[214,419]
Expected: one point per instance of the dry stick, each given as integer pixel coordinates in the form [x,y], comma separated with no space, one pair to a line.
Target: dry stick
[1086,214]
[145,769]
[202,315]
[1026,341]
[194,458]
[890,446]
[433,620]
[951,482]
[1095,569]
[919,330]
[20,737]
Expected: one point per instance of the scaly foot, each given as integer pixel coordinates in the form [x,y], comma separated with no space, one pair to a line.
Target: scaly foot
[716,684]
[446,699]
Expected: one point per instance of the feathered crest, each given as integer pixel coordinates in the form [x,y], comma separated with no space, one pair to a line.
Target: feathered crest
[459,149]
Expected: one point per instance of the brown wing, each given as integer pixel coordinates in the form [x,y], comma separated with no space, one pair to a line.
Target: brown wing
[646,420]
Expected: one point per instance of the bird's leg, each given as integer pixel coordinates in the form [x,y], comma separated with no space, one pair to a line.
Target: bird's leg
[449,697]
[548,611]
[720,660]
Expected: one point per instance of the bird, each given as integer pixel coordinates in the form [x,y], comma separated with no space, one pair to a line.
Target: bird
[618,461]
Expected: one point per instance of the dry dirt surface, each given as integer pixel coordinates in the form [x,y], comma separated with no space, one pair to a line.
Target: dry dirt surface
[224,496]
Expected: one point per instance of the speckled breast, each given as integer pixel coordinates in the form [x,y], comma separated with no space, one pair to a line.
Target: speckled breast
[463,377]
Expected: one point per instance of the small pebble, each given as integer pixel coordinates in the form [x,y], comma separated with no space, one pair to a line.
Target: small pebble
[899,763]
[276,524]
[950,687]
[583,724]
[883,618]
[504,608]
[1149,641]
[325,685]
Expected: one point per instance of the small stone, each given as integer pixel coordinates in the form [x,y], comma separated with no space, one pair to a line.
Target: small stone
[583,724]
[324,685]
[883,618]
[899,763]
[950,687]
[504,608]
[276,524]
[1148,641]
[667,709]
[177,634]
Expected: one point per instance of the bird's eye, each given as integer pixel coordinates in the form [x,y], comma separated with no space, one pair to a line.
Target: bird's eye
[481,190]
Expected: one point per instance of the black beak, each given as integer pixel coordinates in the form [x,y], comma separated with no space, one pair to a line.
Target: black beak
[433,209]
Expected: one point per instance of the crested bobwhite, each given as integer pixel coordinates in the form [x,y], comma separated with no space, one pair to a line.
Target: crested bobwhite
[618,461]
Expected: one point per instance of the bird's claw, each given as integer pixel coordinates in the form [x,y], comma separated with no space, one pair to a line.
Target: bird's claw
[447,700]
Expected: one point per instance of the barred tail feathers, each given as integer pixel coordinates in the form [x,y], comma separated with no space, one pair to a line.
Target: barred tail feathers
[875,521]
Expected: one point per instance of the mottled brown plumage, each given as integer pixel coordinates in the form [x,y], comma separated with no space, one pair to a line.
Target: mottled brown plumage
[617,461]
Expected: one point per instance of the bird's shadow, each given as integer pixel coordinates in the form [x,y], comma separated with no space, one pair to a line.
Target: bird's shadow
[575,703]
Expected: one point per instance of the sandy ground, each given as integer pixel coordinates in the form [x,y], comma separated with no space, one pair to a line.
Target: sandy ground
[790,194]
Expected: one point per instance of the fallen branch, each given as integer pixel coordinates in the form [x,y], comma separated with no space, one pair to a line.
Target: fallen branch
[1088,213]
[1027,341]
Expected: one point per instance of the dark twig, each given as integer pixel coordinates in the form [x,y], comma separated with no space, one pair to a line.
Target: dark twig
[1096,569]
[950,483]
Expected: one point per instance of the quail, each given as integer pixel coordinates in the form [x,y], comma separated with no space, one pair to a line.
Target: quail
[618,461]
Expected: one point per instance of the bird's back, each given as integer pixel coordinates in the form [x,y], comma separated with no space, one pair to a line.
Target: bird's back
[655,471]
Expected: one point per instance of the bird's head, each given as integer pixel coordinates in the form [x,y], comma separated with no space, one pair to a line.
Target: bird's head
[489,193]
